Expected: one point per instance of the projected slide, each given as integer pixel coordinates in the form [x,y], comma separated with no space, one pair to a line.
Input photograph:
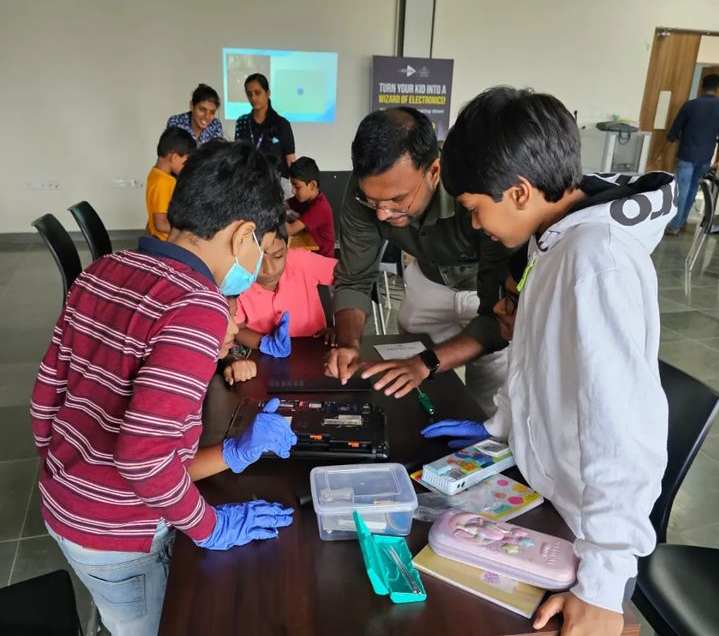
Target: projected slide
[303,84]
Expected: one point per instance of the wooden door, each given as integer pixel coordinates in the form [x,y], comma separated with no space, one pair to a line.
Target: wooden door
[671,68]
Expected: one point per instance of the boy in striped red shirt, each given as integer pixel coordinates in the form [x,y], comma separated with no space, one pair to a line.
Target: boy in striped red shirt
[116,408]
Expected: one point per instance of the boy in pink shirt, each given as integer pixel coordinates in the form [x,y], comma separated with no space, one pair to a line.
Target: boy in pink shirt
[287,283]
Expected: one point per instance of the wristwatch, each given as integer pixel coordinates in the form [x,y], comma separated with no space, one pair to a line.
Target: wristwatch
[431,361]
[240,351]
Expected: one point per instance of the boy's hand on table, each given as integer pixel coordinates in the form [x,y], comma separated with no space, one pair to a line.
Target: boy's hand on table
[238,524]
[399,376]
[239,371]
[464,432]
[329,335]
[269,433]
[580,618]
[278,344]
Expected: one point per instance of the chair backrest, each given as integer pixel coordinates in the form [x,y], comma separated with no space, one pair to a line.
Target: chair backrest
[61,247]
[693,407]
[93,229]
[334,185]
[326,292]
[43,605]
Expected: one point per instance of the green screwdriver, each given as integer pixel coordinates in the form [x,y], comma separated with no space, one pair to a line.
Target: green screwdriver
[425,402]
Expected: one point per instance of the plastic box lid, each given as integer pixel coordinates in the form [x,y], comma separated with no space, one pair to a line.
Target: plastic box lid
[367,488]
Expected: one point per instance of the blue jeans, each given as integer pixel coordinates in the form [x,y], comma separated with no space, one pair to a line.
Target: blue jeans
[127,587]
[688,175]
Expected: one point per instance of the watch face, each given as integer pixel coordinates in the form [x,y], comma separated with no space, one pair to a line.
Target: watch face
[430,359]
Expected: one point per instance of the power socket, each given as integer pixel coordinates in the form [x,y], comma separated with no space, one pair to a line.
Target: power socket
[136,184]
[50,184]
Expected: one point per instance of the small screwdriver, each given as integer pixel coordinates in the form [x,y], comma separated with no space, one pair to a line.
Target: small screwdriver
[425,402]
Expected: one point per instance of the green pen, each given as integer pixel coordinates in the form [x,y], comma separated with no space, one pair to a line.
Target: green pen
[425,402]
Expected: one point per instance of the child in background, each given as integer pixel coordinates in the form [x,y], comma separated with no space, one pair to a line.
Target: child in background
[583,406]
[174,147]
[312,206]
[284,301]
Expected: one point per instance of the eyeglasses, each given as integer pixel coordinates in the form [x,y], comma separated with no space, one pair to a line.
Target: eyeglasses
[510,298]
[394,213]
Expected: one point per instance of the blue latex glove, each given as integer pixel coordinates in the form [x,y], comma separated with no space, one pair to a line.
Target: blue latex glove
[466,432]
[269,433]
[238,524]
[278,344]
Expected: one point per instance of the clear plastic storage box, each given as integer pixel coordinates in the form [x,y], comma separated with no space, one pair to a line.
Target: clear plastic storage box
[382,494]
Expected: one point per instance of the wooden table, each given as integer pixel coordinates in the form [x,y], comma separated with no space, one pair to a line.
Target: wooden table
[298,585]
[304,240]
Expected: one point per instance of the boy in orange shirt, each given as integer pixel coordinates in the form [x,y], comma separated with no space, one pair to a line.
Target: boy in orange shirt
[174,147]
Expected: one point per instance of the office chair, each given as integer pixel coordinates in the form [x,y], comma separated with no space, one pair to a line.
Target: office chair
[391,261]
[93,229]
[333,185]
[326,292]
[677,584]
[42,605]
[61,247]
[708,226]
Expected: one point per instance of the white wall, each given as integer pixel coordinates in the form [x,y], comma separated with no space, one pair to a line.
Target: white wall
[708,50]
[87,86]
[418,28]
[591,54]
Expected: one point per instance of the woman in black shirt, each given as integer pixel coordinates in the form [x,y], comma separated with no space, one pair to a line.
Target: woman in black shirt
[264,127]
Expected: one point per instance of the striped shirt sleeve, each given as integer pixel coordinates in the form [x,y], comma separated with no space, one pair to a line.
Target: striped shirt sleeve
[48,394]
[151,453]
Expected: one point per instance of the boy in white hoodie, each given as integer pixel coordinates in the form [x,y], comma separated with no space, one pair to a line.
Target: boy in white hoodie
[582,406]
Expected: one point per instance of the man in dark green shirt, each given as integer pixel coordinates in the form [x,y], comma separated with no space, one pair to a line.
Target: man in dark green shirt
[395,195]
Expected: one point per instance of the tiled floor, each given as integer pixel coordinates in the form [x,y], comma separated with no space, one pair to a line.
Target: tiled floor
[30,298]
[30,301]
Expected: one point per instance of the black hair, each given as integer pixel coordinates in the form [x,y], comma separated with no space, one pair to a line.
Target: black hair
[260,79]
[265,85]
[224,182]
[205,93]
[275,162]
[710,82]
[306,170]
[174,139]
[505,133]
[282,233]
[385,136]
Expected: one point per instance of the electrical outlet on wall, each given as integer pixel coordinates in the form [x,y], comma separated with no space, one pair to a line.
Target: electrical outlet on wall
[50,184]
[136,184]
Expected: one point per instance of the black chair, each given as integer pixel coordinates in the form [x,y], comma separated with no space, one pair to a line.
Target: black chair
[43,605]
[708,226]
[93,229]
[326,292]
[61,247]
[677,584]
[334,186]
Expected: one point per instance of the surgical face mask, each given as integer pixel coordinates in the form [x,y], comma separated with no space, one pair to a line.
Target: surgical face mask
[238,279]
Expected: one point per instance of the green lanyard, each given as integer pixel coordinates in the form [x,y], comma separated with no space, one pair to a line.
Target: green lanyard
[525,275]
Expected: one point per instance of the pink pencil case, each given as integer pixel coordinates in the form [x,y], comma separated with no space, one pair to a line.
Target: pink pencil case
[525,555]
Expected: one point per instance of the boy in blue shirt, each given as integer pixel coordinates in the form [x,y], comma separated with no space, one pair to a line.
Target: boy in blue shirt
[696,128]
